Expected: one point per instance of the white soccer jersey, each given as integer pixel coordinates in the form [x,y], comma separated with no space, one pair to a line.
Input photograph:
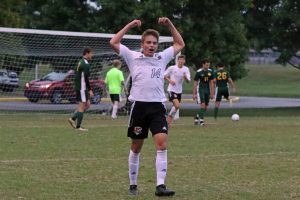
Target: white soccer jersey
[147,74]
[176,74]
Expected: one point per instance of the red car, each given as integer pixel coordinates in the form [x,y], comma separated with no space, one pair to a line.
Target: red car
[57,86]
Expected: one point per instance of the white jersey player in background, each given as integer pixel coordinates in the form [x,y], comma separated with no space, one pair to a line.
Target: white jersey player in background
[147,93]
[176,75]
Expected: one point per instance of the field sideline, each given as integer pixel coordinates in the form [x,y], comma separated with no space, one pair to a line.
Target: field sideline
[41,157]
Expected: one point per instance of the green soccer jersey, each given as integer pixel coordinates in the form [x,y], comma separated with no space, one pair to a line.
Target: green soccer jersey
[204,77]
[113,80]
[222,77]
[82,74]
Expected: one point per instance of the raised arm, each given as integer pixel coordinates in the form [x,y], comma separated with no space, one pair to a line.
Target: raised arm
[116,40]
[178,44]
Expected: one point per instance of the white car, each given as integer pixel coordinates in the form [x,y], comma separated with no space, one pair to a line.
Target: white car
[8,80]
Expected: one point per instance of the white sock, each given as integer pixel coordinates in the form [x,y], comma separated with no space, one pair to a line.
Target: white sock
[172,112]
[176,115]
[133,164]
[114,110]
[161,166]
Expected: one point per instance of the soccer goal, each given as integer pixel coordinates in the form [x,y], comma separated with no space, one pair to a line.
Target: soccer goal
[36,67]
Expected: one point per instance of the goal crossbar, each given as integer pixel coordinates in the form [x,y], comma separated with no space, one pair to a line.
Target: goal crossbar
[79,34]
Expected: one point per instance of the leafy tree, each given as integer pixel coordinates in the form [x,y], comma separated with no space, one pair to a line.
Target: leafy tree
[286,31]
[275,24]
[215,30]
[10,13]
[113,15]
[71,15]
[211,29]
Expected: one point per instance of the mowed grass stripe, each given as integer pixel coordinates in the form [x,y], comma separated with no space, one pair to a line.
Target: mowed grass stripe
[221,156]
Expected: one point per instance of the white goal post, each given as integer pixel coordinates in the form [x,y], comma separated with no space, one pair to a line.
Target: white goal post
[30,57]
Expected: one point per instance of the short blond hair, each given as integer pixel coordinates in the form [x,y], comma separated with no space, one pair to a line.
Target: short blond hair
[152,32]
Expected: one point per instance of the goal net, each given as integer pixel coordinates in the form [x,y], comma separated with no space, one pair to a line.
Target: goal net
[36,67]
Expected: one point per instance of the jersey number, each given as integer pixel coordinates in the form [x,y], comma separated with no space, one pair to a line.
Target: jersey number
[222,76]
[155,73]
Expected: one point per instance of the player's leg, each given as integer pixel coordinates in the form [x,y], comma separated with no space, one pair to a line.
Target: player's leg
[73,119]
[83,105]
[216,110]
[76,120]
[203,108]
[133,164]
[158,127]
[174,109]
[172,97]
[160,140]
[115,105]
[138,131]
[217,102]
[81,109]
[201,101]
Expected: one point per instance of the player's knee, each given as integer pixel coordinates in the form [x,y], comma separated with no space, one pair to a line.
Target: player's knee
[136,146]
[161,145]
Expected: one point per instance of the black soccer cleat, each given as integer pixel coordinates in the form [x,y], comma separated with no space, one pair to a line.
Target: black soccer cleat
[201,122]
[161,191]
[133,190]
[196,121]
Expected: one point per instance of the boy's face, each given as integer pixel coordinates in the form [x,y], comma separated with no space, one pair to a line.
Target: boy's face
[149,45]
[206,65]
[181,62]
[89,55]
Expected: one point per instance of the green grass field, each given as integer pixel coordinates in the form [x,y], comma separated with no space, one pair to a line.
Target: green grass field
[270,80]
[41,157]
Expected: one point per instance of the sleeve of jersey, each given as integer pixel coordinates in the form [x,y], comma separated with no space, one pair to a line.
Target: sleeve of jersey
[121,76]
[168,54]
[126,53]
[196,77]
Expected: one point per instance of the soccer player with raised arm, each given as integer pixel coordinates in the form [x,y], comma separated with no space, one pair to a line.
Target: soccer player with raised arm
[221,79]
[82,88]
[176,75]
[203,90]
[147,93]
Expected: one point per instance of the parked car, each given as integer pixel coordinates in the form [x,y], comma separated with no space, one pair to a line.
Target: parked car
[8,80]
[57,86]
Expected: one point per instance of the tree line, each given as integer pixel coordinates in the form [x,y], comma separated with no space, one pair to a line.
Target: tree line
[222,31]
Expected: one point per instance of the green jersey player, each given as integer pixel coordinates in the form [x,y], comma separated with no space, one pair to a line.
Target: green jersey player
[221,79]
[203,89]
[82,89]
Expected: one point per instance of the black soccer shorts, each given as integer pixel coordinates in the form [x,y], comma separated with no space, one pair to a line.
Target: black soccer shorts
[173,95]
[147,116]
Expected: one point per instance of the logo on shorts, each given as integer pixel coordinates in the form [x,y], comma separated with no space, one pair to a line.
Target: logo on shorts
[137,130]
[164,128]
